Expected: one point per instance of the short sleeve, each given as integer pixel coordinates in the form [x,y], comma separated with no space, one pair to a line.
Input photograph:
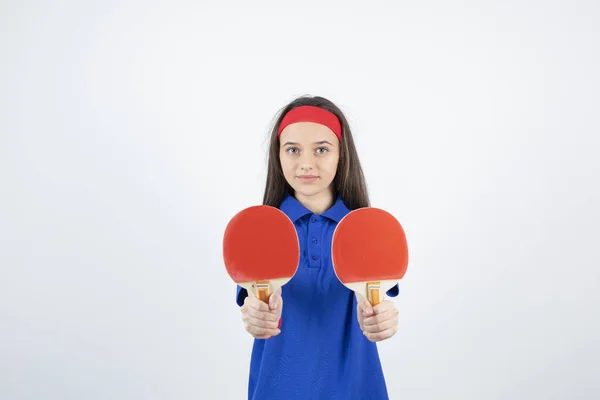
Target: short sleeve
[393,292]
[240,295]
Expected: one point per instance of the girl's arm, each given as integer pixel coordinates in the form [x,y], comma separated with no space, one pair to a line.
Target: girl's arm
[240,295]
[393,292]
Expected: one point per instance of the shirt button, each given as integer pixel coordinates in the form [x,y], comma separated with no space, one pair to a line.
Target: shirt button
[314,258]
[312,219]
[315,241]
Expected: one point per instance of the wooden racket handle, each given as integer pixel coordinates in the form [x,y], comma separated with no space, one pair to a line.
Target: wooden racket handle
[374,293]
[263,290]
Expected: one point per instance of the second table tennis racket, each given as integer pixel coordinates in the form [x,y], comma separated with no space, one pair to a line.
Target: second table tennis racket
[369,252]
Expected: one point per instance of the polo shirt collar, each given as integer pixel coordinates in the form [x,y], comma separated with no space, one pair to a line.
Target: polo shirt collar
[295,210]
[337,211]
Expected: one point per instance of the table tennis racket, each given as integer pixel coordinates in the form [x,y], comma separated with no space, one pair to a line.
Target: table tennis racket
[261,251]
[369,252]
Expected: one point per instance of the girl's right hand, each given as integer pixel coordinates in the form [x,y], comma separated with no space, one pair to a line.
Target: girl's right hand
[261,319]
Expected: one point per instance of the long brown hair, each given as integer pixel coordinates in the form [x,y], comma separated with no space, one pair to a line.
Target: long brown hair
[349,181]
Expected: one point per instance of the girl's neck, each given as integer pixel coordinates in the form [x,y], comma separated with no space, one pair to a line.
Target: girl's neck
[318,203]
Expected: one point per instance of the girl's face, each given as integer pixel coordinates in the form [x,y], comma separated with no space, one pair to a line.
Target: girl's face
[309,154]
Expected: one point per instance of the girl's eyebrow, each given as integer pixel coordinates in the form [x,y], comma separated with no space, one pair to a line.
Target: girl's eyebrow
[319,142]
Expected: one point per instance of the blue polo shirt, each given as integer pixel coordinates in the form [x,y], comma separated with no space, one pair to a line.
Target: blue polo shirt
[321,353]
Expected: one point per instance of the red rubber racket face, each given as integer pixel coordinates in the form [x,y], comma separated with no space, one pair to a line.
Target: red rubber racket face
[260,243]
[369,244]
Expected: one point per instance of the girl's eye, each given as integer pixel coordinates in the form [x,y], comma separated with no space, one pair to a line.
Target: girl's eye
[292,150]
[322,150]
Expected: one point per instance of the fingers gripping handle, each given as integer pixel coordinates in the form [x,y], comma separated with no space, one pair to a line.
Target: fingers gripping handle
[374,293]
[263,290]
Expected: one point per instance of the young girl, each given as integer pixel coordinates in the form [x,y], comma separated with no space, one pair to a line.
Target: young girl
[315,339]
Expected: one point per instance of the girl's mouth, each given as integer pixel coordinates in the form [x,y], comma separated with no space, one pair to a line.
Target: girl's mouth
[307,178]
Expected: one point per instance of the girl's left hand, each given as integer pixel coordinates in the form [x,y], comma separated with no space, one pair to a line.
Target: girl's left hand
[379,322]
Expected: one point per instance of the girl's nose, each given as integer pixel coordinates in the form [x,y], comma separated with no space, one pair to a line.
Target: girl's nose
[306,162]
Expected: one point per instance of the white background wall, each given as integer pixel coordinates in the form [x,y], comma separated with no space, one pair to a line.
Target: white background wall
[130,132]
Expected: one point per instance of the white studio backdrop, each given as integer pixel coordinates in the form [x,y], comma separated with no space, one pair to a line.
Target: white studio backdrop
[130,132]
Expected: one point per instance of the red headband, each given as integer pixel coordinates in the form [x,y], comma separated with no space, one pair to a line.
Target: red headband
[312,114]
